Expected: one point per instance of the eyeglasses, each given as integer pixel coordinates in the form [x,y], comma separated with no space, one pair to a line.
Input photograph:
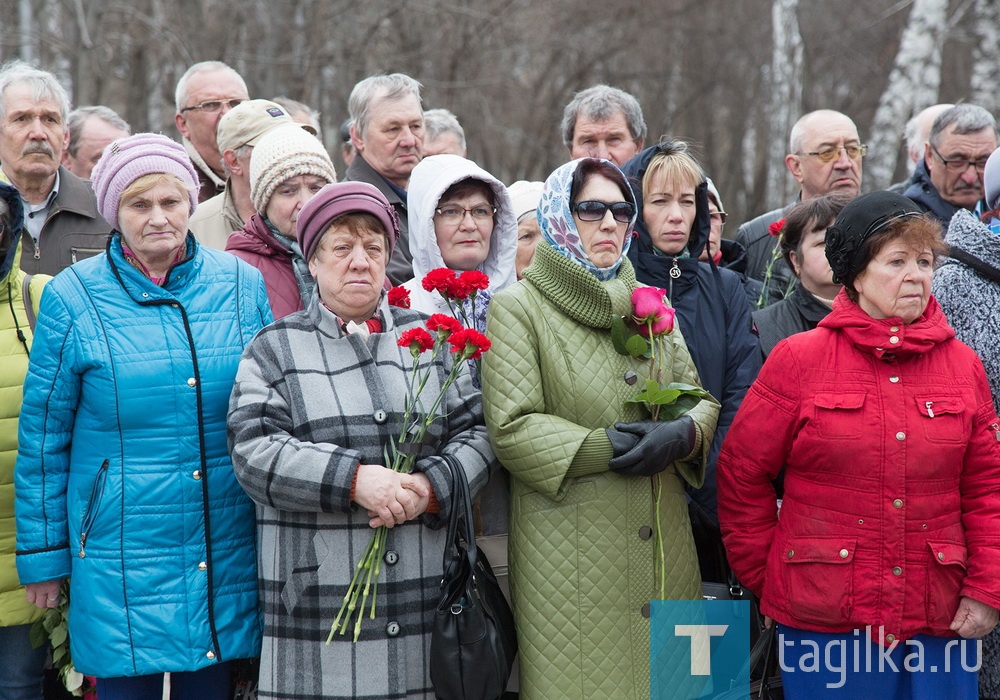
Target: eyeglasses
[454,215]
[960,165]
[831,153]
[592,210]
[719,216]
[213,105]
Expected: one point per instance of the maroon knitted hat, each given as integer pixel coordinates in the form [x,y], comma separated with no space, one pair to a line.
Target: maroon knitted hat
[343,198]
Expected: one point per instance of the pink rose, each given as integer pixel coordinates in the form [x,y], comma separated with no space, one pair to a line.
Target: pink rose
[662,325]
[648,303]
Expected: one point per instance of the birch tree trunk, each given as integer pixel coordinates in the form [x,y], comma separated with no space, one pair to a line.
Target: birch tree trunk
[986,55]
[786,96]
[913,85]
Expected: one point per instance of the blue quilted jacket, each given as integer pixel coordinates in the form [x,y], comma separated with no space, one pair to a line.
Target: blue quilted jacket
[123,480]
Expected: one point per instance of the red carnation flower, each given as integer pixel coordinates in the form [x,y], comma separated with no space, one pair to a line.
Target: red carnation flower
[471,344]
[474,279]
[443,324]
[399,296]
[439,280]
[776,228]
[417,340]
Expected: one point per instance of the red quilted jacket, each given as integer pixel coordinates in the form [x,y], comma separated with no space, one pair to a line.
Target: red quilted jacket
[891,449]
[257,246]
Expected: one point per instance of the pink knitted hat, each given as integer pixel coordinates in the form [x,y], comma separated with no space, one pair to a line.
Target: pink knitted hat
[126,160]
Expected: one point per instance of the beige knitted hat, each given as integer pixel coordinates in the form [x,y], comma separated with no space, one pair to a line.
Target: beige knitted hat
[281,154]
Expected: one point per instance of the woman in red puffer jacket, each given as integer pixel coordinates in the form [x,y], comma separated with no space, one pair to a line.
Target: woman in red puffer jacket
[888,542]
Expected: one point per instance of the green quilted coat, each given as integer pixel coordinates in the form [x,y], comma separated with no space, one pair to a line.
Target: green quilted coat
[582,538]
[14,606]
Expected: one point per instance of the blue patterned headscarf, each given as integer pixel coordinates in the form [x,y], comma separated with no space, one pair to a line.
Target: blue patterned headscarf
[555,219]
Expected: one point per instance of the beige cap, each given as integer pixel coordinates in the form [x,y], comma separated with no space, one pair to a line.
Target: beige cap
[245,123]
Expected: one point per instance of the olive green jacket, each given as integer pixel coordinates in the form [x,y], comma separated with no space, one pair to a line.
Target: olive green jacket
[583,539]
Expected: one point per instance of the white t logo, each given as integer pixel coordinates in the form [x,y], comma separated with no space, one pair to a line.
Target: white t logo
[701,653]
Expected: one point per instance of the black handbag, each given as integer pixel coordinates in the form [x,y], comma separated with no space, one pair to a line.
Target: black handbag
[473,643]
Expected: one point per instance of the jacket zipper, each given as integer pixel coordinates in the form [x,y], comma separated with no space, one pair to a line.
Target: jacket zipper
[996,430]
[930,411]
[90,514]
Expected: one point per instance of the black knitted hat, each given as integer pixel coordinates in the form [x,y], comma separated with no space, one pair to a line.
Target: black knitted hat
[856,223]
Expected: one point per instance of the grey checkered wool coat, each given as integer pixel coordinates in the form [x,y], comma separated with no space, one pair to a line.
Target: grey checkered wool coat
[309,404]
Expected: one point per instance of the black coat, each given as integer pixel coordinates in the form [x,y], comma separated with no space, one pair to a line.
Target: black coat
[734,258]
[712,313]
[800,312]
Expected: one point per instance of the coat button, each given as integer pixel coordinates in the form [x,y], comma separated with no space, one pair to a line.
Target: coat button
[380,416]
[900,435]
[196,474]
[202,566]
[890,638]
[392,629]
[898,503]
[940,556]
[844,553]
[893,339]
[645,532]
[631,377]
[897,571]
[210,655]
[391,558]
[894,379]
[894,329]
[791,553]
[645,611]
[192,381]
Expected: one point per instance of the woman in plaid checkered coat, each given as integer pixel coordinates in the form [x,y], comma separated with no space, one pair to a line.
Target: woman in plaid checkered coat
[317,399]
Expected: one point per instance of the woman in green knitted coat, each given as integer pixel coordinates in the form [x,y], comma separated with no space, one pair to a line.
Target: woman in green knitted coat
[585,560]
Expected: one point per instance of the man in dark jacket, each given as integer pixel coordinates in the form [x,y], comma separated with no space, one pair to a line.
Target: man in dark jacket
[951,175]
[824,155]
[62,225]
[387,130]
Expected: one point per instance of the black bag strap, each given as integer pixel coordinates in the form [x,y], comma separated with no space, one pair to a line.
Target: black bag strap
[26,298]
[461,510]
[983,268]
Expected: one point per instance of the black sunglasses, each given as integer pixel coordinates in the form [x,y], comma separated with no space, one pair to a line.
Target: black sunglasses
[592,210]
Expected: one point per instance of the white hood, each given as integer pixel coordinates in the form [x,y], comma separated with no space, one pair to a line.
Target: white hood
[428,181]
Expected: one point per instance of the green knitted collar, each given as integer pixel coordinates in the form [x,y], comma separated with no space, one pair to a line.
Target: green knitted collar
[576,292]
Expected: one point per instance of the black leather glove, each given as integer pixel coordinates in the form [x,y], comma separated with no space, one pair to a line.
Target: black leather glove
[621,442]
[660,444]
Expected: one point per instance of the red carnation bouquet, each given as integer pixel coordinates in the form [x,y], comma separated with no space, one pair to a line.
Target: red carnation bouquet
[441,334]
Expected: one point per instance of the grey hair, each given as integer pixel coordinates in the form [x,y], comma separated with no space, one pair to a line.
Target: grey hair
[42,83]
[600,103]
[79,116]
[968,119]
[441,121]
[181,93]
[796,135]
[239,152]
[295,107]
[394,86]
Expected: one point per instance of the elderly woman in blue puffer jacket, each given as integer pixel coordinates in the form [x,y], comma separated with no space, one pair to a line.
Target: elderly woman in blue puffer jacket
[123,481]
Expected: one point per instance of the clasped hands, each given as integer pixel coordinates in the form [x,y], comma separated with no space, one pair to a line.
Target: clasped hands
[391,498]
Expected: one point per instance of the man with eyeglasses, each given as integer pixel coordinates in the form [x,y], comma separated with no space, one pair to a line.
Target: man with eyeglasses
[205,92]
[951,174]
[824,156]
[61,223]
